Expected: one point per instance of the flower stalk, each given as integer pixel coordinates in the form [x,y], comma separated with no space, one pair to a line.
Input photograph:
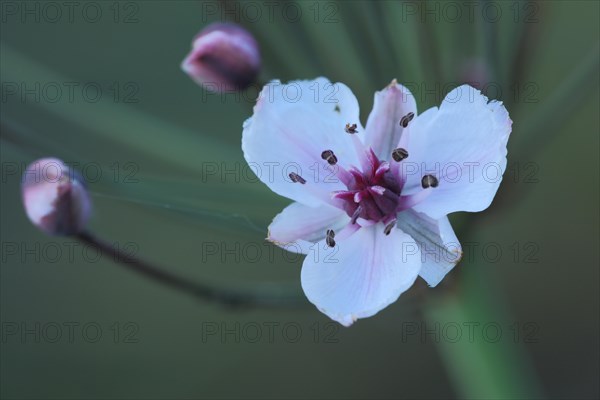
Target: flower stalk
[202,291]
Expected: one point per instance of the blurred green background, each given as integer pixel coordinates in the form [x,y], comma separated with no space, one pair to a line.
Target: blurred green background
[145,145]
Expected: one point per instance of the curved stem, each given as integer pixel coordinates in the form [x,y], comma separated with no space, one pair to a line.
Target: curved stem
[199,290]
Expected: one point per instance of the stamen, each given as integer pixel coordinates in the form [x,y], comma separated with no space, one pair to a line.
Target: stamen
[403,143]
[356,215]
[429,181]
[319,191]
[297,178]
[329,238]
[389,227]
[351,128]
[328,156]
[399,154]
[406,119]
[363,155]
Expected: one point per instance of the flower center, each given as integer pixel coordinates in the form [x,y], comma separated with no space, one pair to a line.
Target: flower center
[372,194]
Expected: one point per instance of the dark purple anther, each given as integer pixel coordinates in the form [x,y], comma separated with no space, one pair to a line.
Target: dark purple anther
[406,119]
[399,154]
[328,156]
[351,128]
[429,181]
[297,178]
[329,238]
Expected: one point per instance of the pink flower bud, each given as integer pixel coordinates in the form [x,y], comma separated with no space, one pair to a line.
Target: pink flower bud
[55,197]
[224,57]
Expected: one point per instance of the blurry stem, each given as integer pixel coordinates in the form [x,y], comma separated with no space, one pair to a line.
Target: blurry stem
[480,367]
[201,291]
[490,33]
[428,41]
[359,39]
[524,54]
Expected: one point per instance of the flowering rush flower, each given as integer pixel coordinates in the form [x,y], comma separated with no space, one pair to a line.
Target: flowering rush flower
[370,205]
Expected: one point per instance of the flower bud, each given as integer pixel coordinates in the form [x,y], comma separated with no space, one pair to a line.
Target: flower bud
[55,197]
[224,57]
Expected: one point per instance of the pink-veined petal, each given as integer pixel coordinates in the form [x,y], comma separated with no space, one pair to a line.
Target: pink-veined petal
[383,128]
[298,226]
[362,274]
[440,249]
[463,143]
[291,126]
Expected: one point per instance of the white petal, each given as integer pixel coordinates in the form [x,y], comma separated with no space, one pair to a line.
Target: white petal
[464,145]
[383,126]
[291,126]
[362,274]
[440,249]
[298,226]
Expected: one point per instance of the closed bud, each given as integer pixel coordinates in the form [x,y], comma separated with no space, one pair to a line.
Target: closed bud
[224,57]
[55,197]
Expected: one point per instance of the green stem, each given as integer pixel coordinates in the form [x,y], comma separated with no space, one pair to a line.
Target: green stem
[480,366]
[266,297]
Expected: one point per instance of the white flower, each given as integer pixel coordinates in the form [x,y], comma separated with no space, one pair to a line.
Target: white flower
[370,205]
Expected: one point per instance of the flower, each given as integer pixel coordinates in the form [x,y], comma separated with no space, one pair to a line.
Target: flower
[224,57]
[370,205]
[55,197]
